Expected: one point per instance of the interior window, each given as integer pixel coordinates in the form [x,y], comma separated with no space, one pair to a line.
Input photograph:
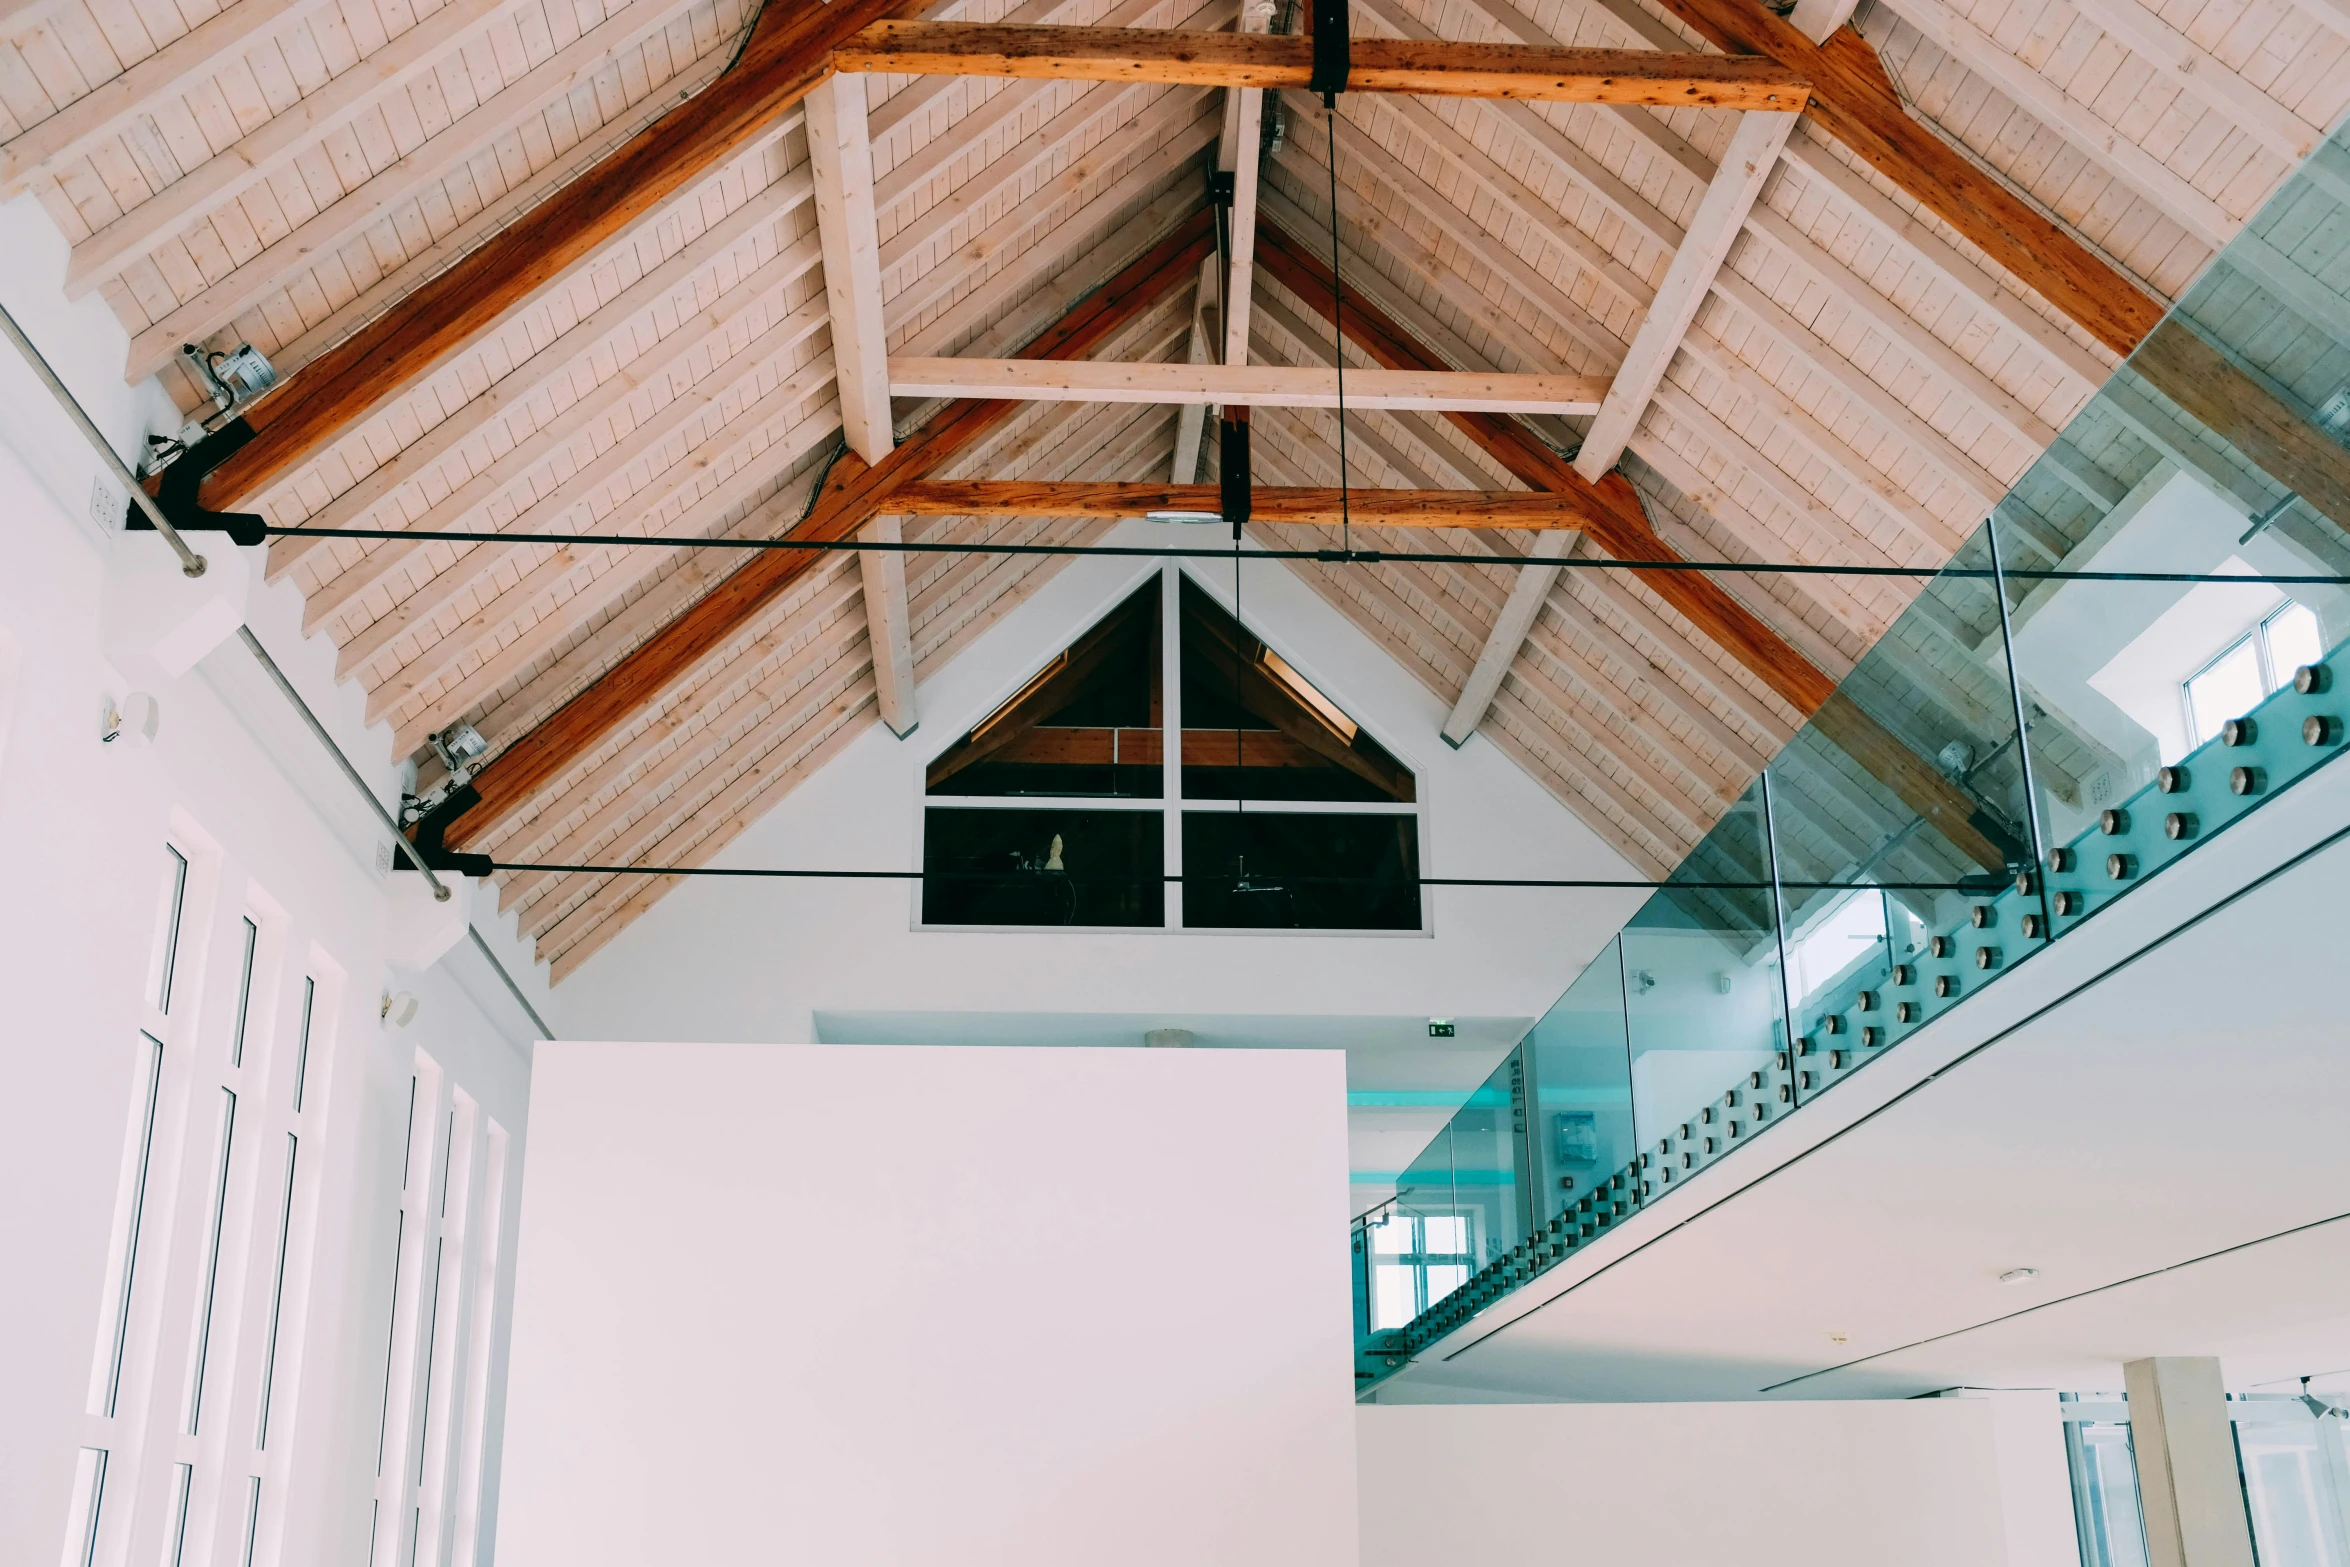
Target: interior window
[2234,683]
[1290,815]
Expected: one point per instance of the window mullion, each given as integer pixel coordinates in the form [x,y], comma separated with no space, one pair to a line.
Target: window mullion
[1171,736]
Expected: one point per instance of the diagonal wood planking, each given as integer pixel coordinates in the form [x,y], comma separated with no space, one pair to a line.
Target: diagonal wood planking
[1616,524]
[1745,166]
[788,52]
[852,495]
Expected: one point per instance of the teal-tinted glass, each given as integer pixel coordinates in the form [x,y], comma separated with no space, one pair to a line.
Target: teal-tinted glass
[1705,1012]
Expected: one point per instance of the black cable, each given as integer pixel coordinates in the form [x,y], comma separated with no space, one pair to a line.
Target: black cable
[1982,886]
[1328,557]
[1338,328]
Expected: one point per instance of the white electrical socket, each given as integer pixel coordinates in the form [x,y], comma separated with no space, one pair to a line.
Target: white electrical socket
[106,504]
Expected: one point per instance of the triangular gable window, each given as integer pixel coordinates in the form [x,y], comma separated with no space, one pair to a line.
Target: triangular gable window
[1288,814]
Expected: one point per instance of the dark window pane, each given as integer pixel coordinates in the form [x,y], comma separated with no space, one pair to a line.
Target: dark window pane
[1252,870]
[1001,867]
[1086,725]
[1256,729]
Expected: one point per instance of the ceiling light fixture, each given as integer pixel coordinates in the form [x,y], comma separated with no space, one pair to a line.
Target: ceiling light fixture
[1183,516]
[2019,1275]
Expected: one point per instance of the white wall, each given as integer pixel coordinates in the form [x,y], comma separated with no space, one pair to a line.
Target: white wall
[739,959]
[1923,1483]
[864,1305]
[271,829]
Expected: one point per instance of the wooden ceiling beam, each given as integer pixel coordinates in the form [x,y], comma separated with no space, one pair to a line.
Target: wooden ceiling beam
[1854,101]
[789,50]
[1616,524]
[1382,65]
[853,494]
[1260,386]
[1316,505]
[840,161]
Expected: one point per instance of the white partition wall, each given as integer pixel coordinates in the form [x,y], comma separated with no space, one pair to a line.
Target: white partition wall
[868,1305]
[1939,1482]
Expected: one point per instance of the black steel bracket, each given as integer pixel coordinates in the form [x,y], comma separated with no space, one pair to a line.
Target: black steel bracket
[176,494]
[433,827]
[1333,60]
[1232,470]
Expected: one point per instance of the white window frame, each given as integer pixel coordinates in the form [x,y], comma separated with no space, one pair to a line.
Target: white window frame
[1171,805]
[172,1469]
[2264,657]
[431,1451]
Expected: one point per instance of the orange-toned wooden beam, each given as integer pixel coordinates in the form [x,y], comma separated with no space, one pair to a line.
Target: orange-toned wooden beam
[1267,503]
[853,493]
[1441,69]
[1854,100]
[1615,522]
[788,52]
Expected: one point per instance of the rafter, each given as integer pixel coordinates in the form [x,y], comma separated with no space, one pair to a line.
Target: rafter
[1281,386]
[888,626]
[853,494]
[1199,349]
[1205,59]
[840,161]
[789,51]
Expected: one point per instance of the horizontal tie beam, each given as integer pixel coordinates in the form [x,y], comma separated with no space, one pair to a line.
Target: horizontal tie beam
[1430,68]
[1244,386]
[1270,503]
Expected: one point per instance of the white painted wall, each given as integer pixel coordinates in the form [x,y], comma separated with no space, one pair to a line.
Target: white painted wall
[1925,1483]
[271,828]
[865,1305]
[748,960]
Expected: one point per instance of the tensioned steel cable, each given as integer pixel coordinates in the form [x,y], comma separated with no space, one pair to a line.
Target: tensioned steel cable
[1336,557]
[1984,886]
[1338,324]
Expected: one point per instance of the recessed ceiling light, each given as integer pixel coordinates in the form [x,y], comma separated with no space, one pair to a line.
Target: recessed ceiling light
[2019,1275]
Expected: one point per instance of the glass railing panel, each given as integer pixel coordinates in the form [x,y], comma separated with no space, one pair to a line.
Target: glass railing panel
[1901,823]
[2161,710]
[2156,604]
[1582,1140]
[2163,703]
[1488,1165]
[1705,1011]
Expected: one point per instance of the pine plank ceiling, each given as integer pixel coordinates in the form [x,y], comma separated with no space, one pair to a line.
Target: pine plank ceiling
[1855,386]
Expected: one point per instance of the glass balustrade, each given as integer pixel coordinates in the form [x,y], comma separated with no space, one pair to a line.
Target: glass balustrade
[2142,643]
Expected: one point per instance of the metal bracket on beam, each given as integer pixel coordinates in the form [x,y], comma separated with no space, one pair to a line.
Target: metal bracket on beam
[1232,468]
[1333,59]
[433,827]
[176,492]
